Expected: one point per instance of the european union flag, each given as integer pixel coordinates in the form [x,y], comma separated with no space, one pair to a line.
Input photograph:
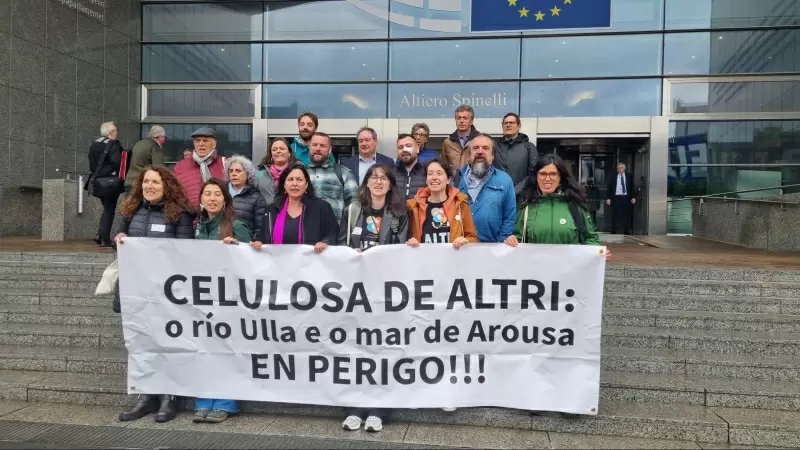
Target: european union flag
[525,15]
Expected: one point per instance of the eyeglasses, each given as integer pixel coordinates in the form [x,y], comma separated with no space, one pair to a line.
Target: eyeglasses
[546,175]
[376,179]
[507,124]
[420,135]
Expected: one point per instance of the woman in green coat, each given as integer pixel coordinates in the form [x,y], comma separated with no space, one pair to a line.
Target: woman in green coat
[218,222]
[552,208]
[218,217]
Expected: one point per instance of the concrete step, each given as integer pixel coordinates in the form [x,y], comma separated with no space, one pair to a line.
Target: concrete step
[81,426]
[60,315]
[89,270]
[103,256]
[700,320]
[668,301]
[61,336]
[616,417]
[54,297]
[85,388]
[720,365]
[38,282]
[661,362]
[701,287]
[704,273]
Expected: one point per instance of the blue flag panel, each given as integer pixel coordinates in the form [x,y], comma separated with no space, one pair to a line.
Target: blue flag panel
[525,15]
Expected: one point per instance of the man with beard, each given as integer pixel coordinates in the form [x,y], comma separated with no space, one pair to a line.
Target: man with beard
[490,191]
[307,125]
[408,170]
[333,182]
[516,154]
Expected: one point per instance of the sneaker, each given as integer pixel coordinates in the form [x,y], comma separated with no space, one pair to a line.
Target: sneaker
[200,415]
[448,409]
[373,423]
[352,423]
[216,416]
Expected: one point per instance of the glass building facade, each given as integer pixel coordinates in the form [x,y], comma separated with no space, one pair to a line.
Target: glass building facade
[722,75]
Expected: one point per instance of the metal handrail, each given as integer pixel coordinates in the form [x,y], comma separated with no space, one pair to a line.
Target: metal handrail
[744,191]
[71,172]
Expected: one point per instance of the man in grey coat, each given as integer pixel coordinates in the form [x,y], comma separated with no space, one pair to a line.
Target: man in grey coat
[516,154]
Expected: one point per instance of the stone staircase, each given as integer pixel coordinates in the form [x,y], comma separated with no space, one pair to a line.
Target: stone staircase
[710,356]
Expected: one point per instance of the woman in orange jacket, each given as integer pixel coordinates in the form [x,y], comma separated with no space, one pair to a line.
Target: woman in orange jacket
[439,213]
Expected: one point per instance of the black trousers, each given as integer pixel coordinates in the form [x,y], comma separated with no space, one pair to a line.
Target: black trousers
[621,216]
[107,219]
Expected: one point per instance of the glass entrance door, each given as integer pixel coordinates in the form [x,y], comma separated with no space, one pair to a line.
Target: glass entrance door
[593,172]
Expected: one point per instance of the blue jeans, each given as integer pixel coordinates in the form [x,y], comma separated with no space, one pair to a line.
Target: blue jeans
[229,406]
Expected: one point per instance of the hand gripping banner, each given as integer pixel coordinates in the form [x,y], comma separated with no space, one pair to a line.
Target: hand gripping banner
[392,327]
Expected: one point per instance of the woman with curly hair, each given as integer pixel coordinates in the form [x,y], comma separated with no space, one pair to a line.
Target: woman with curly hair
[279,156]
[156,207]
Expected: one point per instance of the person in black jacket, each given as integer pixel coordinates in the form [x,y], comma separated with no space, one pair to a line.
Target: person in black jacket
[106,167]
[621,198]
[379,215]
[155,207]
[248,202]
[408,170]
[298,216]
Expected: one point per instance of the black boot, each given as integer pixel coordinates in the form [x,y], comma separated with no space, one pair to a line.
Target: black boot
[98,240]
[116,307]
[167,410]
[147,404]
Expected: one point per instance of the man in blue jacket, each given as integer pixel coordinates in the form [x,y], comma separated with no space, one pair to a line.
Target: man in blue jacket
[490,190]
[367,154]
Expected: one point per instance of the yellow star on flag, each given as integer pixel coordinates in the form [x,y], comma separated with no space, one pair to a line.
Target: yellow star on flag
[513,2]
[539,16]
[566,2]
[523,12]
[555,10]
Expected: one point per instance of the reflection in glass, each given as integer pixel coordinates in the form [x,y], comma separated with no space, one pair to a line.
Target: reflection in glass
[595,56]
[441,99]
[748,143]
[201,62]
[731,13]
[738,97]
[335,101]
[337,61]
[232,139]
[589,98]
[732,52]
[202,22]
[200,102]
[332,19]
[454,59]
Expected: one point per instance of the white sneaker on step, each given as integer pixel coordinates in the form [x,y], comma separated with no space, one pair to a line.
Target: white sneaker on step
[352,423]
[448,409]
[373,423]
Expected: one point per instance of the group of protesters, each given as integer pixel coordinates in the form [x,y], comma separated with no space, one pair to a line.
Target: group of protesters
[477,189]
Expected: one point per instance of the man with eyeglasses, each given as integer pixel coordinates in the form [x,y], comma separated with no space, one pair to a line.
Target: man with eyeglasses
[368,154]
[516,154]
[421,133]
[410,173]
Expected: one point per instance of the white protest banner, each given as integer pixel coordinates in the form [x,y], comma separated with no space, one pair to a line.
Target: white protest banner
[393,327]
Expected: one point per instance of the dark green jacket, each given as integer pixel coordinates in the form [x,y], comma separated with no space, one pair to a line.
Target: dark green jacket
[550,222]
[144,153]
[209,230]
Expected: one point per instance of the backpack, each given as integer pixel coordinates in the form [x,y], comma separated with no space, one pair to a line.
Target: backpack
[578,218]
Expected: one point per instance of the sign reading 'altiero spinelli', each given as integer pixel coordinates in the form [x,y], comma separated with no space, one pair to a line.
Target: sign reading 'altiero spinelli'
[397,327]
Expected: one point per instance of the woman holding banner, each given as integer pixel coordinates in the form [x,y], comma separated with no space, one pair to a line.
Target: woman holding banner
[378,216]
[298,216]
[552,209]
[156,207]
[218,222]
[439,213]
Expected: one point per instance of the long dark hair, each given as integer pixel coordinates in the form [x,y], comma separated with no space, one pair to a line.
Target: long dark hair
[569,187]
[280,195]
[228,211]
[395,202]
[175,201]
[267,161]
